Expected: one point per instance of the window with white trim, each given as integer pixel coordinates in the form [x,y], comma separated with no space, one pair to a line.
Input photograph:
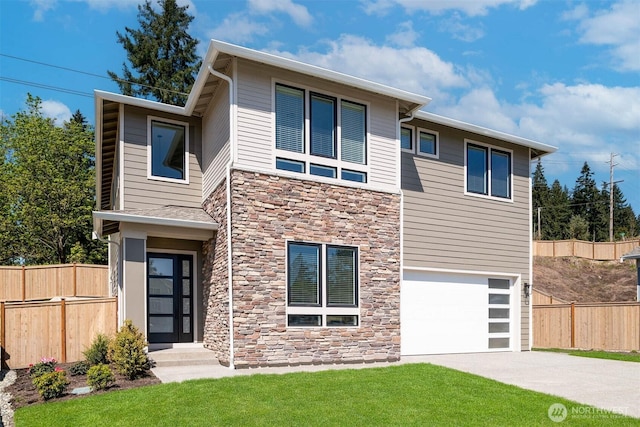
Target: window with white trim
[423,142]
[167,150]
[488,171]
[322,285]
[320,135]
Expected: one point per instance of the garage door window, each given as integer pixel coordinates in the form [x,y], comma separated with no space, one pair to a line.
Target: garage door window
[322,285]
[499,313]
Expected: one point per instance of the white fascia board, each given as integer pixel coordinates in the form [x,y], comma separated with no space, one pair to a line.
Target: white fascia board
[154,220]
[423,115]
[139,102]
[312,70]
[98,149]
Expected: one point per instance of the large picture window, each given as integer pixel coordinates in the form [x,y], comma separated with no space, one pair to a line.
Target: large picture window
[167,150]
[488,171]
[322,285]
[337,134]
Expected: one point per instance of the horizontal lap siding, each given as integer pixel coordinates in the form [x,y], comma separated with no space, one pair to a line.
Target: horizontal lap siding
[141,192]
[255,119]
[215,135]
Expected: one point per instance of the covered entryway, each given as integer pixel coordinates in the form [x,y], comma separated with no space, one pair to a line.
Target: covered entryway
[456,313]
[169,298]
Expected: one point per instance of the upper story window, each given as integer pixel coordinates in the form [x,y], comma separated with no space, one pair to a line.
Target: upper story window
[322,285]
[167,150]
[419,141]
[488,171]
[320,135]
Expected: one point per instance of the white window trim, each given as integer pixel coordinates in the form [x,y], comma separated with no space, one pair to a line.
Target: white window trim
[150,120]
[413,144]
[306,156]
[489,148]
[322,310]
[417,143]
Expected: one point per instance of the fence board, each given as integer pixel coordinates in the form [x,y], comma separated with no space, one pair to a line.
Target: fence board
[610,326]
[32,330]
[541,298]
[11,283]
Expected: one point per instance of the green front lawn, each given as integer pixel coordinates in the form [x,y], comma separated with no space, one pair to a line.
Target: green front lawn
[597,354]
[419,394]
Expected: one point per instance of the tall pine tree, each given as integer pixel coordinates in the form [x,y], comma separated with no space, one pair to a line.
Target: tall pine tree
[557,215]
[162,52]
[539,200]
[588,203]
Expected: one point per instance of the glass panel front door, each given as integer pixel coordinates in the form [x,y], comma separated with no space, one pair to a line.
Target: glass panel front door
[169,301]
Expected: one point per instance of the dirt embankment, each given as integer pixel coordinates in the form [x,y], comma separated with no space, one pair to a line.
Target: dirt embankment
[582,280]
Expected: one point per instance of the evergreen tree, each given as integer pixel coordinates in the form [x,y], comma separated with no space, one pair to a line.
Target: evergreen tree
[49,181]
[558,213]
[162,52]
[539,199]
[588,203]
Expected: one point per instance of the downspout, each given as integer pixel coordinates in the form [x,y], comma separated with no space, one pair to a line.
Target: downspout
[229,164]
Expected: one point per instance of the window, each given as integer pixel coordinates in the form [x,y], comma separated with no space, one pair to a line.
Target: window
[331,133]
[426,144]
[322,285]
[167,146]
[488,171]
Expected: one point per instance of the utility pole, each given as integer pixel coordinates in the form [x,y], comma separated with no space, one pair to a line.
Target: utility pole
[611,183]
[539,229]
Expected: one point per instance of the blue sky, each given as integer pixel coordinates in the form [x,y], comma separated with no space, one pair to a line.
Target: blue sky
[566,73]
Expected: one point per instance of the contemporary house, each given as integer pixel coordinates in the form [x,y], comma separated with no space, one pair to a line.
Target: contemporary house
[290,214]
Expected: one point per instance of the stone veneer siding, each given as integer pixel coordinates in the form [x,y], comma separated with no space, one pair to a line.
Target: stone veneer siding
[268,211]
[215,278]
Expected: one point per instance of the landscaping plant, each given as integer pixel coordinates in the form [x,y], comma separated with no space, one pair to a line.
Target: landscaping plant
[126,351]
[79,368]
[51,384]
[100,377]
[45,366]
[98,352]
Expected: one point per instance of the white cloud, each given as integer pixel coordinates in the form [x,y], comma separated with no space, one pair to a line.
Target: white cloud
[57,111]
[468,7]
[415,69]
[299,14]
[460,31]
[617,27]
[238,28]
[41,7]
[404,36]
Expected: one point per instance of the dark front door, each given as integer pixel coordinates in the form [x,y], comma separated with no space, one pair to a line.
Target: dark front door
[169,298]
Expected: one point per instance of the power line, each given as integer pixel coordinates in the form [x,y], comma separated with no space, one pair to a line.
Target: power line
[43,86]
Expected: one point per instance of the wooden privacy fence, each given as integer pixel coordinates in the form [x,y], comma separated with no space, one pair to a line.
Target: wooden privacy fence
[602,326]
[602,251]
[48,281]
[540,297]
[60,329]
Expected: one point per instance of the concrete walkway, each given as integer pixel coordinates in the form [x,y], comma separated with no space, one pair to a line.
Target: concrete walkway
[605,384]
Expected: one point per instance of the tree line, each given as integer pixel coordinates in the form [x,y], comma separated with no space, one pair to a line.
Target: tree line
[583,212]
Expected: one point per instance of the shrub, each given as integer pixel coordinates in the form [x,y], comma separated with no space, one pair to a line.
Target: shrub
[79,368]
[51,384]
[100,377]
[97,353]
[45,366]
[126,351]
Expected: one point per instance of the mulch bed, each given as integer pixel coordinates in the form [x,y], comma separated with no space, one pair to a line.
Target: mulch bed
[24,393]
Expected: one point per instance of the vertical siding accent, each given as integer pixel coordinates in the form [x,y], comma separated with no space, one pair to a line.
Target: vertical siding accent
[444,228]
[141,192]
[215,142]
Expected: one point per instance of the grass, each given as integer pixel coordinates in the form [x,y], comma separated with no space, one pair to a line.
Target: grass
[597,354]
[418,394]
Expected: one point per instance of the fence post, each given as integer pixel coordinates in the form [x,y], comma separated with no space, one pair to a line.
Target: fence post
[573,325]
[23,284]
[2,333]
[75,285]
[63,331]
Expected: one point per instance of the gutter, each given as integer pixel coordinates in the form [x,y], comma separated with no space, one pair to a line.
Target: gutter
[229,165]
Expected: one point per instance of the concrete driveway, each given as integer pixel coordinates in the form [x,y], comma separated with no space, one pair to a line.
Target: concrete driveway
[607,384]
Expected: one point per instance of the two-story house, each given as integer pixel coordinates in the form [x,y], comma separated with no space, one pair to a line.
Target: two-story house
[290,214]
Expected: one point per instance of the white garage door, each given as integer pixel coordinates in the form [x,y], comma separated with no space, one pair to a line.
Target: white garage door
[446,313]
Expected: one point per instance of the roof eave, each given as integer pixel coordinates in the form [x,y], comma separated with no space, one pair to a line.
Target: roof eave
[152,220]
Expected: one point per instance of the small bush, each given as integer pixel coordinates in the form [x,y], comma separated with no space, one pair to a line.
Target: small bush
[79,368]
[97,353]
[100,377]
[45,366]
[51,384]
[126,351]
